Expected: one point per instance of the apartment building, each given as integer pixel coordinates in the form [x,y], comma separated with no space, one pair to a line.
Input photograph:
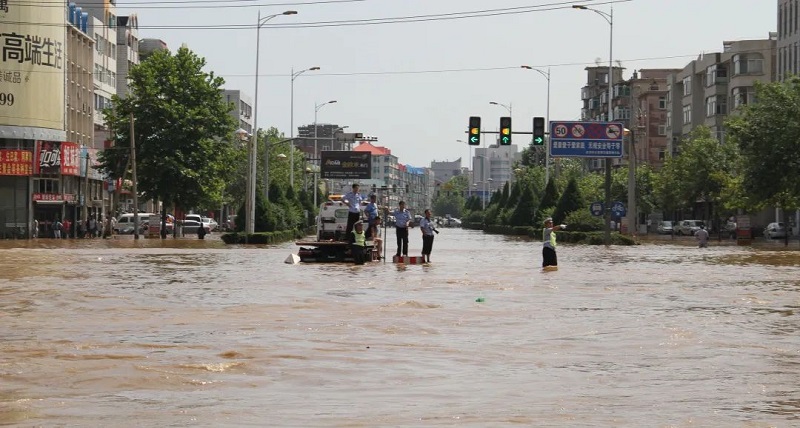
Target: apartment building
[594,96]
[80,87]
[788,44]
[714,85]
[445,170]
[492,168]
[148,46]
[127,51]
[242,111]
[414,185]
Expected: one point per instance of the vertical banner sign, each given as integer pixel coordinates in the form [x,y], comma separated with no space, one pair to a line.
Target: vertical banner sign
[48,157]
[70,159]
[32,63]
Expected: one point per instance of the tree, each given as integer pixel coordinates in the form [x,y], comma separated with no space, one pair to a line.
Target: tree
[182,130]
[570,201]
[701,172]
[525,210]
[767,134]
[550,197]
[504,196]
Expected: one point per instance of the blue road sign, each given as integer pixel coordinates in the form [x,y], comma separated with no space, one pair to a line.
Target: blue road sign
[586,139]
[597,209]
[618,209]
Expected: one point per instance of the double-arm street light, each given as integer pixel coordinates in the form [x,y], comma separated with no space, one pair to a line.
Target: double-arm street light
[316,153]
[609,17]
[291,120]
[252,154]
[546,119]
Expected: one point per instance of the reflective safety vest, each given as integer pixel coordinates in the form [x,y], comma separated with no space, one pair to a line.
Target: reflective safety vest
[552,240]
[361,239]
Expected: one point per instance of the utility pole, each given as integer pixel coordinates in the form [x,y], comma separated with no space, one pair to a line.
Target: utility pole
[133,176]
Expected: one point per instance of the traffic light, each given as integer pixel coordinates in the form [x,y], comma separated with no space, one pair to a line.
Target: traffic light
[474,131]
[505,131]
[538,131]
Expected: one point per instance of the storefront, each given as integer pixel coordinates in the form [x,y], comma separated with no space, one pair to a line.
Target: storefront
[16,167]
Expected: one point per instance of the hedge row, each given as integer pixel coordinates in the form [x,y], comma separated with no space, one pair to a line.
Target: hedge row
[265,238]
[587,238]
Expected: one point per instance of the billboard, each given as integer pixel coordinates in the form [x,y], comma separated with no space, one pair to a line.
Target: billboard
[345,165]
[32,63]
[55,157]
[16,162]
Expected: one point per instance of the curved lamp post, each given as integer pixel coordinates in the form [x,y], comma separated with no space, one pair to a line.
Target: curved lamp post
[546,119]
[291,120]
[252,154]
[316,154]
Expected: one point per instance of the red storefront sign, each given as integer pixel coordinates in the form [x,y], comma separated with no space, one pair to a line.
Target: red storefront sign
[57,197]
[16,162]
[56,157]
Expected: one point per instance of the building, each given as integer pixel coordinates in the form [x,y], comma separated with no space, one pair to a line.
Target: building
[594,96]
[243,108]
[711,87]
[127,51]
[492,168]
[788,44]
[444,171]
[80,87]
[325,139]
[393,181]
[148,46]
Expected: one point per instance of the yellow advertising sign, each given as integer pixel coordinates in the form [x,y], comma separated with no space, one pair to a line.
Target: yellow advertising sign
[32,63]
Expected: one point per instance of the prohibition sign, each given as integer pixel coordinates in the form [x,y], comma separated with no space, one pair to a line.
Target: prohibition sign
[613,131]
[561,131]
[578,130]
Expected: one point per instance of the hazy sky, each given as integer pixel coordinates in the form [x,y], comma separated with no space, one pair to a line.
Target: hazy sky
[377,72]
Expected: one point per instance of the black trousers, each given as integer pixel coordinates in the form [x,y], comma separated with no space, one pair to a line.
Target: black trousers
[352,218]
[359,253]
[427,244]
[549,257]
[402,240]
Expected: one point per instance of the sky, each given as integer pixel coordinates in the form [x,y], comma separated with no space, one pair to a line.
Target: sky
[414,85]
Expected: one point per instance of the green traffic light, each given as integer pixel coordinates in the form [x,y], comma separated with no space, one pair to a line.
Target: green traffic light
[538,141]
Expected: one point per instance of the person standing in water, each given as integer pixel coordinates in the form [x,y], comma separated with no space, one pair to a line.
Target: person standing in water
[549,257]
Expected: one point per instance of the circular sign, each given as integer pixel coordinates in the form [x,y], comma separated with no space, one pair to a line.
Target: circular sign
[618,209]
[578,130]
[560,131]
[596,208]
[613,131]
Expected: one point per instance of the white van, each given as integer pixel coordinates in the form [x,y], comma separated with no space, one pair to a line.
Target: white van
[124,224]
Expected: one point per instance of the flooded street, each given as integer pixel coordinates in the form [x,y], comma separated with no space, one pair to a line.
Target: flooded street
[194,333]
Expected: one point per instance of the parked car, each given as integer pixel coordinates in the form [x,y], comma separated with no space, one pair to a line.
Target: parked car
[210,223]
[124,224]
[190,227]
[689,227]
[195,217]
[775,230]
[665,227]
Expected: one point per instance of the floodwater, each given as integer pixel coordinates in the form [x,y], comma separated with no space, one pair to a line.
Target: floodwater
[193,333]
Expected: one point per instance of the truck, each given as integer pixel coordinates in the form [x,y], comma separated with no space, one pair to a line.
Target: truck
[331,245]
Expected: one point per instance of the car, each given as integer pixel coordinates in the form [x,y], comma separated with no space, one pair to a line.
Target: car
[195,217]
[664,227]
[775,230]
[190,227]
[689,227]
[124,225]
[210,223]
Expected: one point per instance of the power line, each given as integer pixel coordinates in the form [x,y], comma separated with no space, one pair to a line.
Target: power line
[188,4]
[373,21]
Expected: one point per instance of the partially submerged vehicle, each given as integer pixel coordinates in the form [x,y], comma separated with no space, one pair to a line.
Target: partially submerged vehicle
[331,244]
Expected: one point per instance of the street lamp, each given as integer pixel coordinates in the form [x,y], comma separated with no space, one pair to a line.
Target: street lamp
[251,213]
[316,155]
[507,107]
[244,137]
[546,119]
[609,17]
[291,120]
[470,152]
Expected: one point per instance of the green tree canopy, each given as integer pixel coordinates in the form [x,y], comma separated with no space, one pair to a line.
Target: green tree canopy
[182,130]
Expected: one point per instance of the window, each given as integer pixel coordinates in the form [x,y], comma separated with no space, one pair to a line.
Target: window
[743,95]
[622,113]
[669,119]
[46,185]
[751,63]
[622,91]
[662,130]
[662,103]
[716,74]
[687,114]
[687,85]
[669,93]
[716,105]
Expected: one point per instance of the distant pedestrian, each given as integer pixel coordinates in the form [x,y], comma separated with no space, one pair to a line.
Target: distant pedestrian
[35,228]
[374,233]
[353,200]
[702,237]
[92,226]
[427,227]
[371,211]
[201,231]
[57,228]
[549,257]
[402,222]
